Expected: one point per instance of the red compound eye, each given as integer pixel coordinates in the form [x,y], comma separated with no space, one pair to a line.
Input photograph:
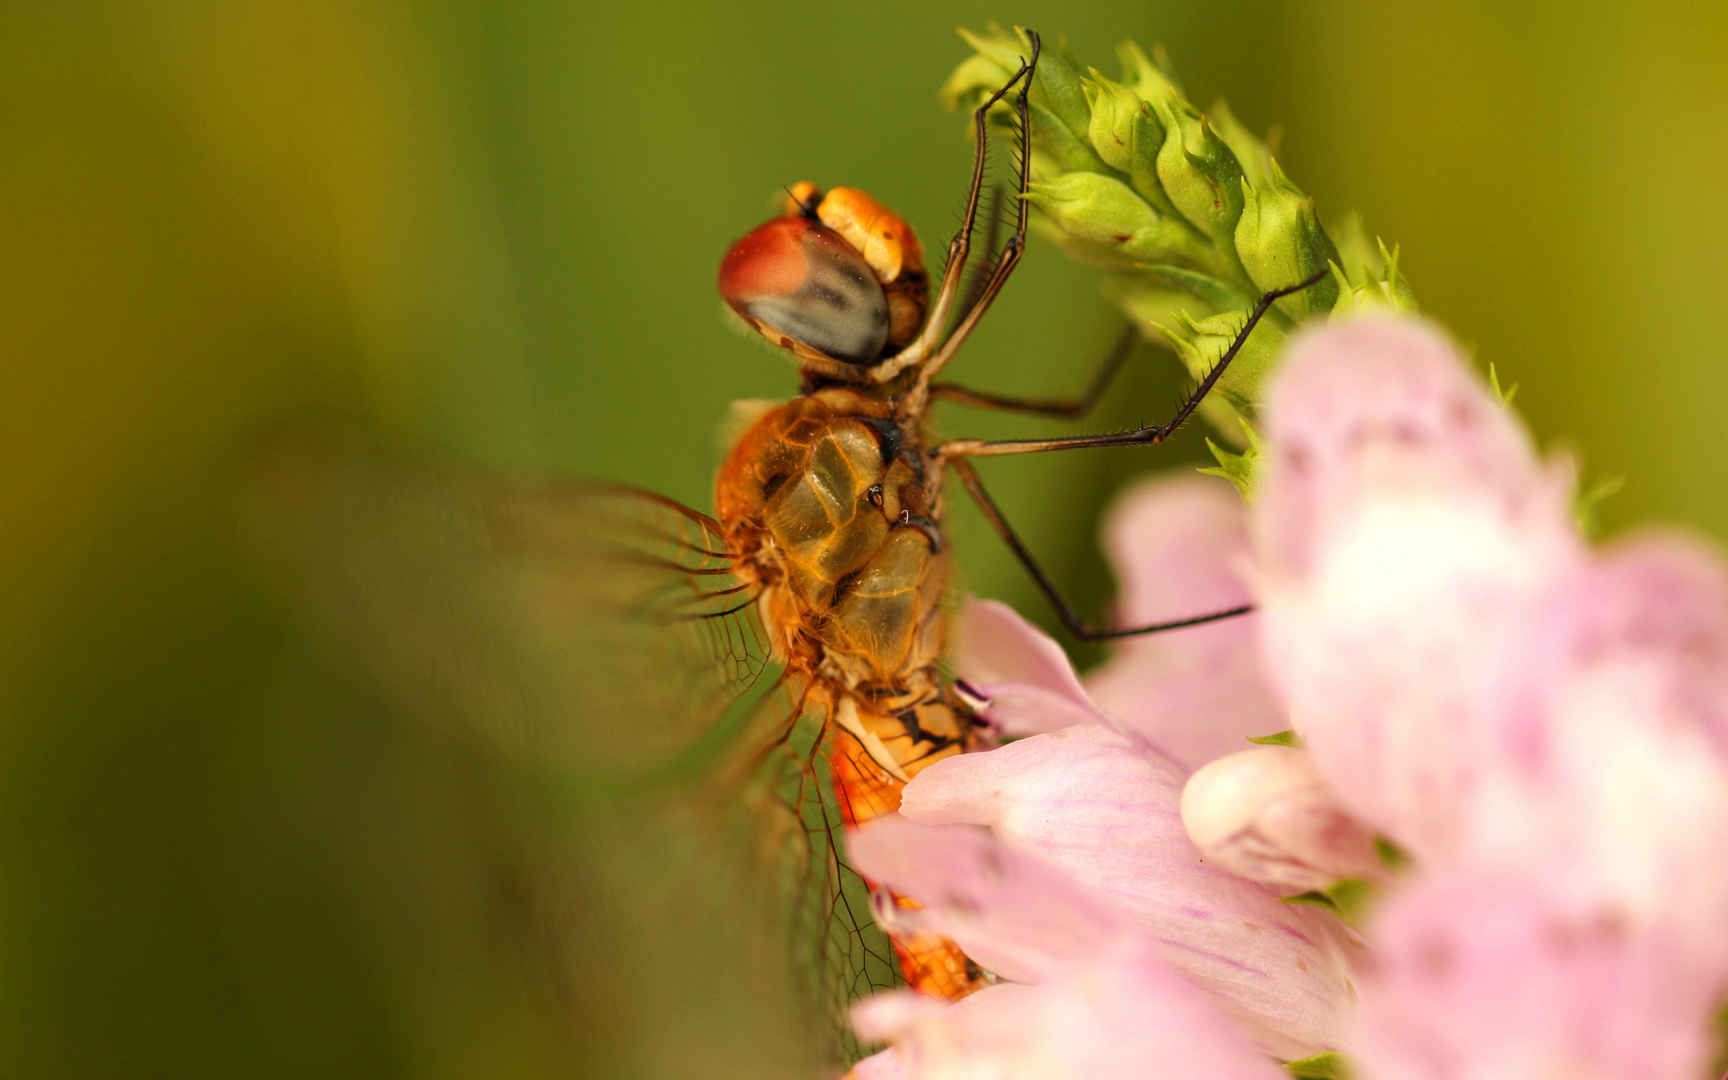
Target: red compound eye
[800,279]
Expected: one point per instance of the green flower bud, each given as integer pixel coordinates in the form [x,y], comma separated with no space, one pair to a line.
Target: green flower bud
[1146,139]
[1280,242]
[1115,111]
[1199,173]
[1057,104]
[1059,86]
[1057,149]
[1190,211]
[1056,84]
[1107,215]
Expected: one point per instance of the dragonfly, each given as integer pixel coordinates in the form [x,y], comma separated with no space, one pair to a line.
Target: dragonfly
[827,542]
[795,636]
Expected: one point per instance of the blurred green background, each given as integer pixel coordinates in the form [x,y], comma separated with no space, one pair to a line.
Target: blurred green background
[492,230]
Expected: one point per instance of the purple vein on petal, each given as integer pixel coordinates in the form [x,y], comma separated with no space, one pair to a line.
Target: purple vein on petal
[1210,955]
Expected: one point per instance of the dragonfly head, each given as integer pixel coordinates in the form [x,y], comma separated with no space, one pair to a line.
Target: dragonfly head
[839,274]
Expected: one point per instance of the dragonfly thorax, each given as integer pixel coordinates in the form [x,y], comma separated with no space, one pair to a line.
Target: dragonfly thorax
[824,499]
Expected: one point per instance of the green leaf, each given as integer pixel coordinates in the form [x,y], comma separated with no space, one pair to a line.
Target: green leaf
[1328,1066]
[1277,738]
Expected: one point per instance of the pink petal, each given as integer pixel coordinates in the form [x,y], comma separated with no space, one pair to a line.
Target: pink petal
[1653,609]
[1500,978]
[1360,407]
[1177,543]
[1019,915]
[1122,1013]
[1265,814]
[1103,806]
[1614,777]
[1404,533]
[1026,677]
[883,1065]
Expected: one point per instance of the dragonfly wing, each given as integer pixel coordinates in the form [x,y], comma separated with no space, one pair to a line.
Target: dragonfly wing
[657,605]
[595,626]
[839,952]
[598,635]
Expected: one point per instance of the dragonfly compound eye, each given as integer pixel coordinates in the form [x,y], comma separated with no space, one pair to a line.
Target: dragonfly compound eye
[796,279]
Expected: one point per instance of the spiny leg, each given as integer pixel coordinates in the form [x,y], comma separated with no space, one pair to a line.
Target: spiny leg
[954,454]
[1064,611]
[1068,407]
[1011,251]
[992,233]
[961,245]
[1144,436]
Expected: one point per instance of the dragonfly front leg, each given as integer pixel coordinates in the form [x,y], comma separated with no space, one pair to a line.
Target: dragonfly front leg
[1066,407]
[1144,436]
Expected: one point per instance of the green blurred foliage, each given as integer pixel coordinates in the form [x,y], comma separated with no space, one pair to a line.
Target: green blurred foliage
[492,230]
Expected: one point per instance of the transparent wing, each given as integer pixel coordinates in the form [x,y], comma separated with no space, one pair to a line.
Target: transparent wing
[592,625]
[650,582]
[598,634]
[840,954]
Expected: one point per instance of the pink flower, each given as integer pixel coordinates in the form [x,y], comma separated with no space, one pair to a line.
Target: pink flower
[1468,676]
[1103,806]
[1614,771]
[1404,531]
[1543,728]
[1097,997]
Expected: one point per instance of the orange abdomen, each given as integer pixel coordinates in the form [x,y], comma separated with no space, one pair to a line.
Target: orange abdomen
[931,965]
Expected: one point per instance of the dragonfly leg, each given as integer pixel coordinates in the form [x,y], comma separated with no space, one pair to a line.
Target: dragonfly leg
[1144,436]
[1077,626]
[1069,406]
[954,456]
[920,348]
[1009,257]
